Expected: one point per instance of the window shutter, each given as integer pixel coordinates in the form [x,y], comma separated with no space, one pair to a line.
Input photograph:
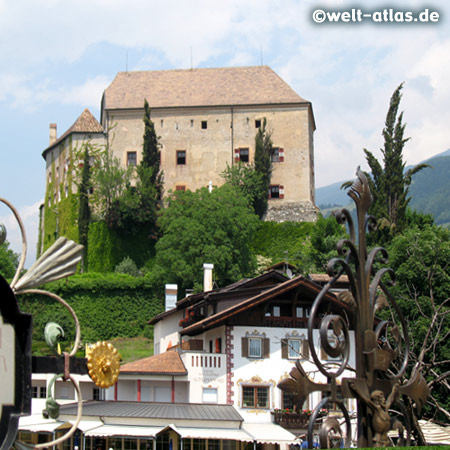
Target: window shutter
[237,155]
[281,155]
[266,348]
[284,348]
[270,193]
[305,348]
[281,191]
[244,347]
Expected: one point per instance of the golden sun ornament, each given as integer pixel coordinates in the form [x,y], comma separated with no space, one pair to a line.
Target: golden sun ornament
[103,364]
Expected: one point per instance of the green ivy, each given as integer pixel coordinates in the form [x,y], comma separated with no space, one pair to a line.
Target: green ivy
[107,248]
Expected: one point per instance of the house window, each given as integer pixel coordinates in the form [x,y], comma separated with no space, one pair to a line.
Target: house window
[43,392]
[96,394]
[181,157]
[131,158]
[255,397]
[162,123]
[287,400]
[204,124]
[258,123]
[276,191]
[209,395]
[180,187]
[34,392]
[294,348]
[302,312]
[255,347]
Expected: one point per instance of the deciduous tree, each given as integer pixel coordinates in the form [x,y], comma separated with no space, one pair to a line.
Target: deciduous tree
[202,227]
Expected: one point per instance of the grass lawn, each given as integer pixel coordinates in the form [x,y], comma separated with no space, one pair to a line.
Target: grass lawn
[131,349]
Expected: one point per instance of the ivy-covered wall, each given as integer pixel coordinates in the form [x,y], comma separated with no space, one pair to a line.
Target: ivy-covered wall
[107,248]
[107,306]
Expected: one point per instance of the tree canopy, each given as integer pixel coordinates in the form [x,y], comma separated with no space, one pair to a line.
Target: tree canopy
[8,261]
[421,259]
[206,227]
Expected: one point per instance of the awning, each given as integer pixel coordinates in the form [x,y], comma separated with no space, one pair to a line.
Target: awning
[232,434]
[36,423]
[124,430]
[268,433]
[85,425]
[435,434]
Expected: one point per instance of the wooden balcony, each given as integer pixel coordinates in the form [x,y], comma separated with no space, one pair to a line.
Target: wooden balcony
[290,419]
[286,322]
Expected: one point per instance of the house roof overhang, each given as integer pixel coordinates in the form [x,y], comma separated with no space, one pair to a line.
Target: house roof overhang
[222,317]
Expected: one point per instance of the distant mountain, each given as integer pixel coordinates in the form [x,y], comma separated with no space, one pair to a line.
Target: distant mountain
[331,195]
[429,191]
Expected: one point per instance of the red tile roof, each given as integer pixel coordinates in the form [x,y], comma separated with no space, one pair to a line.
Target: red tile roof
[168,363]
[258,85]
[86,123]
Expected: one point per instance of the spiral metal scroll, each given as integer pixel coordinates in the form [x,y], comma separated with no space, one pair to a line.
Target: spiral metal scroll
[59,261]
[381,347]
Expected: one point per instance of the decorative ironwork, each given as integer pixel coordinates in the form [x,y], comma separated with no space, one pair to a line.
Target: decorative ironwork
[381,347]
[59,261]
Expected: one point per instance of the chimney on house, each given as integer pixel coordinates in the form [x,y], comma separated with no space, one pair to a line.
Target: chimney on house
[207,277]
[52,133]
[171,296]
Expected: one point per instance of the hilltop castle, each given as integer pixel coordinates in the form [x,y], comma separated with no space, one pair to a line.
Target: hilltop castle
[206,119]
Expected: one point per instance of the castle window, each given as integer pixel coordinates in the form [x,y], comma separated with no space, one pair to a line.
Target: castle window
[162,123]
[276,191]
[255,397]
[244,155]
[258,123]
[131,158]
[181,157]
[278,154]
[180,187]
[204,124]
[192,123]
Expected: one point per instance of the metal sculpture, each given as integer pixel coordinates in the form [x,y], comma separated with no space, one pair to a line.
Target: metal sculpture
[59,261]
[381,347]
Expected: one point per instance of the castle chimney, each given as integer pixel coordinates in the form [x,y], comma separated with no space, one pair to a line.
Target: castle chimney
[171,296]
[207,277]
[52,133]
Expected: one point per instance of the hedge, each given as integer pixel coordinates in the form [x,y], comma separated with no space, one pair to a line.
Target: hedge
[107,306]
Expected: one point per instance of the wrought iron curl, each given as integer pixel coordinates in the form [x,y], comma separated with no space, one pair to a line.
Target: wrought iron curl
[343,217]
[338,324]
[315,416]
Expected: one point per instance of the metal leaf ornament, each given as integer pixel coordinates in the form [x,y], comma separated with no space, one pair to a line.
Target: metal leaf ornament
[59,261]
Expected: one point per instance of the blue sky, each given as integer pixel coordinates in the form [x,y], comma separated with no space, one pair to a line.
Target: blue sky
[57,57]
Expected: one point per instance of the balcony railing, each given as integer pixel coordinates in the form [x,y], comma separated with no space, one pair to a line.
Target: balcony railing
[286,322]
[290,418]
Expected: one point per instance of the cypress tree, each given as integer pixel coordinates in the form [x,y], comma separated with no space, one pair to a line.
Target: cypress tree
[390,182]
[84,211]
[263,166]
